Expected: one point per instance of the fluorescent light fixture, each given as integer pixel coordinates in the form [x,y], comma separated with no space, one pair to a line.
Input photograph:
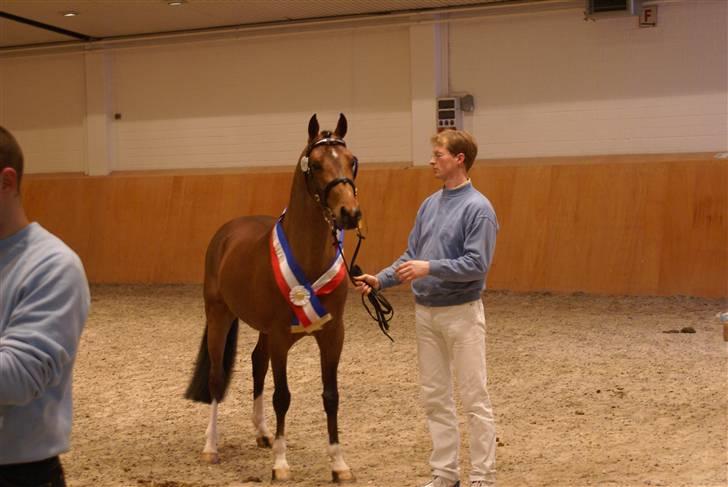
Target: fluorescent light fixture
[175,3]
[70,13]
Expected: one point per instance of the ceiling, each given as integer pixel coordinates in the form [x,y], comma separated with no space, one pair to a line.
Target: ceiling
[36,23]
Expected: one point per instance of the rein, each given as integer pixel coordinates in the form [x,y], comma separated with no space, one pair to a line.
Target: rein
[383,311]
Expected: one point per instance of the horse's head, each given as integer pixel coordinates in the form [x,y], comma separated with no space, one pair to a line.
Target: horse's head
[330,169]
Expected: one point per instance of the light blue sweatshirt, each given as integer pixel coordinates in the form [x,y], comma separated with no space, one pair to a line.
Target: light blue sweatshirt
[455,231]
[44,300]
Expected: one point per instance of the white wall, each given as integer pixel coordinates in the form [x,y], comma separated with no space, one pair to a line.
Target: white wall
[231,103]
[545,84]
[248,102]
[42,103]
[552,84]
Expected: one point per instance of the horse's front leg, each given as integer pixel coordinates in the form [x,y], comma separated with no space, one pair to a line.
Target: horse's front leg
[330,342]
[260,359]
[281,401]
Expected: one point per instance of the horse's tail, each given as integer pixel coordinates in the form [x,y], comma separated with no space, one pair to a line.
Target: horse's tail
[199,388]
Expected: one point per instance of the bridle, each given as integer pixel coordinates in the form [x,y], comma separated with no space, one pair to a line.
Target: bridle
[322,195]
[383,311]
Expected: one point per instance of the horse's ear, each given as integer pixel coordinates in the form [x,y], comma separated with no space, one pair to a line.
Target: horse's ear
[341,127]
[313,127]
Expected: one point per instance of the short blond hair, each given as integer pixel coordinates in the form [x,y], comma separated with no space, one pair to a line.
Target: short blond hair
[458,142]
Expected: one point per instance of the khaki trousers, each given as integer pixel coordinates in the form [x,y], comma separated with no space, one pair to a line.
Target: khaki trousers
[451,342]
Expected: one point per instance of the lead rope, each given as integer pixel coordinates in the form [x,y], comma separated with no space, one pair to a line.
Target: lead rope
[383,311]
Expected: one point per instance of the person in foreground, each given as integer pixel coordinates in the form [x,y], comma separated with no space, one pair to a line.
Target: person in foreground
[448,255]
[44,300]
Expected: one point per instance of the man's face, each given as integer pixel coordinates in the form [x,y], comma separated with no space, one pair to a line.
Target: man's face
[444,163]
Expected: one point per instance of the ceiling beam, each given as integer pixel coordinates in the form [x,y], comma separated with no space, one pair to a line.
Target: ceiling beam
[41,25]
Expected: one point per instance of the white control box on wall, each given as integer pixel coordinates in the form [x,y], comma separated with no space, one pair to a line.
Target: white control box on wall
[449,114]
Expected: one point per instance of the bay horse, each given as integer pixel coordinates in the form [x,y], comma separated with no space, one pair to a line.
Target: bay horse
[241,284]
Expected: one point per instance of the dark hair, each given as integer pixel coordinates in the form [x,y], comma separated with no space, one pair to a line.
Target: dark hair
[10,153]
[456,142]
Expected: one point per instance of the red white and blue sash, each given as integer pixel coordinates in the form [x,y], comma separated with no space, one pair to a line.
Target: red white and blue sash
[301,296]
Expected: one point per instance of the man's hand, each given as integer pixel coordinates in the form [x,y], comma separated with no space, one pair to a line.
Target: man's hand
[365,283]
[413,269]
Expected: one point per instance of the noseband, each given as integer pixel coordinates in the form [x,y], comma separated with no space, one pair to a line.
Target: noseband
[322,196]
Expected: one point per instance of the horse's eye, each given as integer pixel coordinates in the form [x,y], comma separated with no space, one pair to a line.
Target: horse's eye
[315,166]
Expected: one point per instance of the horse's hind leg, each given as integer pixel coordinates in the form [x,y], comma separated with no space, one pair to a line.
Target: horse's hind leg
[222,335]
[260,358]
[330,342]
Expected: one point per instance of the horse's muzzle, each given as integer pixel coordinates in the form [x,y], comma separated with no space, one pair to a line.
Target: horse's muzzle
[349,219]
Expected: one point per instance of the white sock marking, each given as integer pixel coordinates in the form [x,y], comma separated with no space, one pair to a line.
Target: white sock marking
[261,429]
[279,454]
[337,458]
[211,432]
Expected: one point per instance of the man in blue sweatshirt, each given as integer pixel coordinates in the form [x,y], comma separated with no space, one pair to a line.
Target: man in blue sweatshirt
[448,255]
[44,300]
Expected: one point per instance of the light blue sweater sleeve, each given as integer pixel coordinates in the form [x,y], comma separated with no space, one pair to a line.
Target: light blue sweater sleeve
[41,335]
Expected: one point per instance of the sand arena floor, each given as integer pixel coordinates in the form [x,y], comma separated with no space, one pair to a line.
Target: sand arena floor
[586,390]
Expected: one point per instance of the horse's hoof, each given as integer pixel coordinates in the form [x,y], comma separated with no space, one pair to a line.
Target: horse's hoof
[343,477]
[281,475]
[211,457]
[264,442]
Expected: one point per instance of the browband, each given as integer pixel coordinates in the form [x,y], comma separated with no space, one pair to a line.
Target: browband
[326,141]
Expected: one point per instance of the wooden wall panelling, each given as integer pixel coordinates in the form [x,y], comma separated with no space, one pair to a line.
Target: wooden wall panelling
[520,198]
[131,231]
[603,225]
[695,244]
[59,205]
[195,211]
[641,230]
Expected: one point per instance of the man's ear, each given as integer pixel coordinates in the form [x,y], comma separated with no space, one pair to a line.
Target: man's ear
[8,179]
